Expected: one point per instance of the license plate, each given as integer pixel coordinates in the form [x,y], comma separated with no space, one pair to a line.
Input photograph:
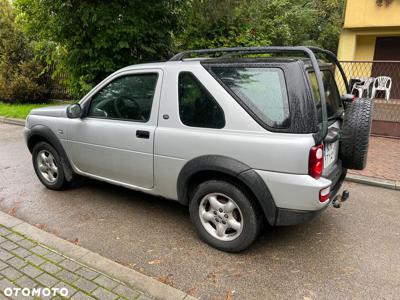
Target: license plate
[330,153]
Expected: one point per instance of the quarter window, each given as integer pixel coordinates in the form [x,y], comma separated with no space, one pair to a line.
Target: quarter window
[128,97]
[260,90]
[197,108]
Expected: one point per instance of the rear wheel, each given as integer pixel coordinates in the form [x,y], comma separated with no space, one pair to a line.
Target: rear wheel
[224,216]
[48,166]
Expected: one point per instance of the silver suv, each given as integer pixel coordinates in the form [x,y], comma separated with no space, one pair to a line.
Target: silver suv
[243,136]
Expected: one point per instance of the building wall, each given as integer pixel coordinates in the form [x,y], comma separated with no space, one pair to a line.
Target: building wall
[359,43]
[364,21]
[365,13]
[365,47]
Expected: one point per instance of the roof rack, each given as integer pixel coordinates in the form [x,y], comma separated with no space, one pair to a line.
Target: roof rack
[308,51]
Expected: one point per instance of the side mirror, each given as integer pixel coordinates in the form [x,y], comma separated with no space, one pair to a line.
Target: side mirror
[348,98]
[74,111]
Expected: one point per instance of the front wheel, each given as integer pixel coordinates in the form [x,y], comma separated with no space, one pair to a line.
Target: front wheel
[224,216]
[48,166]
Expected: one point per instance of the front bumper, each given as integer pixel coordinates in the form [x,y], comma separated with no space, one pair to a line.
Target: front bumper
[27,134]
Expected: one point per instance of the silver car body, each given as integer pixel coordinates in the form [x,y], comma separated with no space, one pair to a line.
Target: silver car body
[108,149]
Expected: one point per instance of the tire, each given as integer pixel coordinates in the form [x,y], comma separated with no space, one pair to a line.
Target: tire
[46,161]
[243,211]
[355,134]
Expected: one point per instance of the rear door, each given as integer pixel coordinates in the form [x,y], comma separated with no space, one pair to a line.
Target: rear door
[115,140]
[334,109]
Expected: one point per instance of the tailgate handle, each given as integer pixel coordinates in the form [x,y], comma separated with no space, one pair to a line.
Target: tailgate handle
[333,135]
[142,134]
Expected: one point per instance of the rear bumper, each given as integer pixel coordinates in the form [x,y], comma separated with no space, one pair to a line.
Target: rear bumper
[285,217]
[296,196]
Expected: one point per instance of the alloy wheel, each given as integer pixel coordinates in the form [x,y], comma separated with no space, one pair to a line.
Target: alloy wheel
[47,166]
[221,217]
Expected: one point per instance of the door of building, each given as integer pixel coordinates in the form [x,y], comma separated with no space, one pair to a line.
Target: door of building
[388,49]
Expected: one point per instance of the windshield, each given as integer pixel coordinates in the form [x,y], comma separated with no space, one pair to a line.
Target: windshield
[333,103]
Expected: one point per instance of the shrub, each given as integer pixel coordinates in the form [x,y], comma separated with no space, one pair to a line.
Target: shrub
[22,77]
[23,83]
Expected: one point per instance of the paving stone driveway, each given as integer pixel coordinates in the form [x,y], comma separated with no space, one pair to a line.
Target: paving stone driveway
[383,159]
[27,264]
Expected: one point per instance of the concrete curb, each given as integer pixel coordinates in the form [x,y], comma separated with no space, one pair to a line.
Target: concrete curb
[383,183]
[12,121]
[124,274]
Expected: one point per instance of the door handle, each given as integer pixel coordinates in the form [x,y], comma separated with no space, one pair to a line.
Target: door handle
[142,134]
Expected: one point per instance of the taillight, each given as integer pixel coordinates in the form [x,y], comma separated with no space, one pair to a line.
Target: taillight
[316,161]
[324,194]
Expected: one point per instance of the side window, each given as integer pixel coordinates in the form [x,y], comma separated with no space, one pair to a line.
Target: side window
[333,102]
[197,108]
[261,90]
[128,97]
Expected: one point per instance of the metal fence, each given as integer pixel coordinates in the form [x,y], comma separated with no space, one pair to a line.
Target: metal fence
[387,111]
[356,70]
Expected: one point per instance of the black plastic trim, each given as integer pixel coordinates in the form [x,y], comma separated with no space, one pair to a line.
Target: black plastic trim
[230,167]
[337,176]
[286,217]
[143,134]
[45,133]
[262,193]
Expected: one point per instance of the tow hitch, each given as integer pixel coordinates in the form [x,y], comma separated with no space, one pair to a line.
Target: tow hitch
[340,198]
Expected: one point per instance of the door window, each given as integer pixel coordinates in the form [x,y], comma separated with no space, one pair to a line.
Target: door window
[197,108]
[128,97]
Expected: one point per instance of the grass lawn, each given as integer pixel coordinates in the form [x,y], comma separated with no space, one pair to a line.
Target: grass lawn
[20,111]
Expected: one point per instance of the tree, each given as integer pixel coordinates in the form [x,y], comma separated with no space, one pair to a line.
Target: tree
[221,23]
[21,75]
[95,38]
[215,23]
[328,23]
[89,39]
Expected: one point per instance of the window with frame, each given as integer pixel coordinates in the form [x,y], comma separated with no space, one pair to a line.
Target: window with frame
[262,91]
[333,103]
[197,107]
[129,97]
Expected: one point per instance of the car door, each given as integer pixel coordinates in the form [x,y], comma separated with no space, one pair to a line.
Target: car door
[114,141]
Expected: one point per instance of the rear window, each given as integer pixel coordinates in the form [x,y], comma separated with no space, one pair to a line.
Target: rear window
[333,102]
[262,92]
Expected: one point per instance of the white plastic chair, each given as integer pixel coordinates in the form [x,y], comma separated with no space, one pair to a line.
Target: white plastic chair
[362,87]
[382,83]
